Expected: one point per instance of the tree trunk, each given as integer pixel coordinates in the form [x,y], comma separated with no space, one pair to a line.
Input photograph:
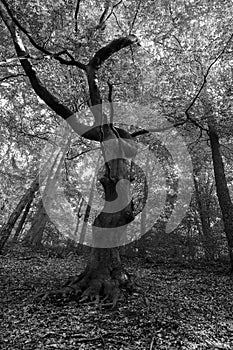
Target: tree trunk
[35,233]
[79,215]
[203,209]
[147,179]
[22,220]
[7,228]
[88,207]
[223,194]
[104,276]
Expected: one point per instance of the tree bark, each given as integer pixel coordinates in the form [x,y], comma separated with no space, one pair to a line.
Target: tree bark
[26,198]
[203,209]
[35,233]
[22,220]
[223,194]
[79,215]
[88,207]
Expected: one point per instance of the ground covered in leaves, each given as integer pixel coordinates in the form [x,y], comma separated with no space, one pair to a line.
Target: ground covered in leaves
[184,308]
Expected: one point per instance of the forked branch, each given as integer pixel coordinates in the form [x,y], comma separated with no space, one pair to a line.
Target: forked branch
[91,69]
[93,66]
[56,56]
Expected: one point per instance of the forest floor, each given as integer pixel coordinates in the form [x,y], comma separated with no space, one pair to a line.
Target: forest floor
[185,309]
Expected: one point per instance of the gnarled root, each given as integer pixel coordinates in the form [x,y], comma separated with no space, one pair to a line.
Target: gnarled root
[101,286]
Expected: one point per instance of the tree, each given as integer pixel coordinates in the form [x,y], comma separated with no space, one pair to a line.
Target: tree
[24,201]
[22,221]
[181,44]
[103,273]
[203,189]
[224,198]
[35,233]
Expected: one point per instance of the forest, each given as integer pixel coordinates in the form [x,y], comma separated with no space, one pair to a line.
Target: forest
[116,193]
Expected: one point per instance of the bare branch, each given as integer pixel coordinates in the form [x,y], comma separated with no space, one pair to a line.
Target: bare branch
[101,24]
[135,16]
[197,139]
[79,154]
[37,136]
[144,131]
[12,62]
[12,76]
[117,22]
[110,102]
[76,15]
[104,16]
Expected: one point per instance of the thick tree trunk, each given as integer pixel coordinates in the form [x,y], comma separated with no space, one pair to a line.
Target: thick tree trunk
[104,276]
[223,194]
[7,228]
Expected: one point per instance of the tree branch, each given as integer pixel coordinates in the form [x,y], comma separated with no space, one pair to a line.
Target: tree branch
[101,24]
[12,76]
[110,86]
[203,84]
[56,56]
[40,90]
[79,154]
[94,64]
[105,16]
[51,101]
[92,133]
[144,131]
[37,136]
[135,16]
[76,15]
[116,45]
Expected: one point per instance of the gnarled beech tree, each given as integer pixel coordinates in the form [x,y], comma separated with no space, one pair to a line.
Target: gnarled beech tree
[103,276]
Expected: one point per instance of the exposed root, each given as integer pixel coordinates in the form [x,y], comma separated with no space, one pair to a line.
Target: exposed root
[102,287]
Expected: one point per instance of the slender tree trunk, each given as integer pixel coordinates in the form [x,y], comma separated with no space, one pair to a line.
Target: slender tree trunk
[88,208]
[147,179]
[203,210]
[79,215]
[35,233]
[22,220]
[223,194]
[7,228]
